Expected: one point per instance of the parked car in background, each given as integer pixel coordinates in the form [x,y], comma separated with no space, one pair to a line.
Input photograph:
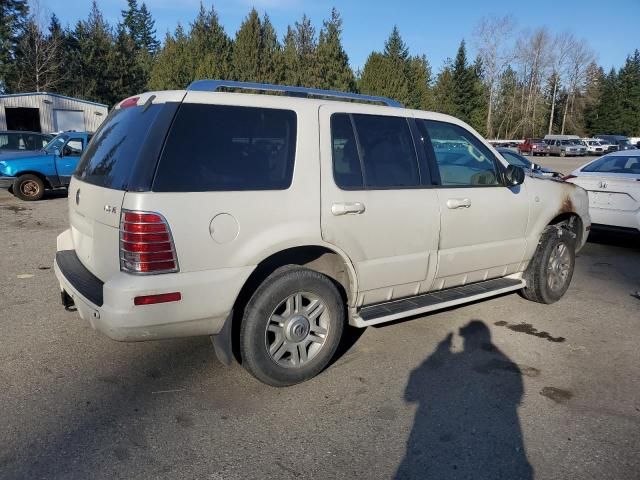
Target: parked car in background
[613,184]
[608,146]
[27,175]
[12,141]
[518,160]
[621,141]
[391,213]
[594,146]
[566,147]
[533,146]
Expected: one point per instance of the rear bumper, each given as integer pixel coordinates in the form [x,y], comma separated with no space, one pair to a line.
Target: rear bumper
[7,182]
[207,299]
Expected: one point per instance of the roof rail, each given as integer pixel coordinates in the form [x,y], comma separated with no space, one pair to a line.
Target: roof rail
[215,85]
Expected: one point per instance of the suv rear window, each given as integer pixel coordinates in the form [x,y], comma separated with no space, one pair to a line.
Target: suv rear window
[114,149]
[222,148]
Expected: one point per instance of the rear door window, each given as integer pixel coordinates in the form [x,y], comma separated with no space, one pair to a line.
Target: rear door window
[226,148]
[347,170]
[110,157]
[387,150]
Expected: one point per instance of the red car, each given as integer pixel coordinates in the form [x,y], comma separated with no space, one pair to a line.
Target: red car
[533,146]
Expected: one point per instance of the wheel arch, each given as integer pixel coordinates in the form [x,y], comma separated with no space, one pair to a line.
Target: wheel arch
[40,175]
[321,258]
[572,222]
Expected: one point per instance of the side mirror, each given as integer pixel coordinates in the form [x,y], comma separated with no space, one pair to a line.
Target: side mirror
[514,176]
[535,167]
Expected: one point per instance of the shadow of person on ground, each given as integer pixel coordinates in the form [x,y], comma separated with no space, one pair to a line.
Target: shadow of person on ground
[466,425]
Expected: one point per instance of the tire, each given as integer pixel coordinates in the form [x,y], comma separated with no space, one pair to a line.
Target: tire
[281,326]
[563,153]
[549,273]
[28,187]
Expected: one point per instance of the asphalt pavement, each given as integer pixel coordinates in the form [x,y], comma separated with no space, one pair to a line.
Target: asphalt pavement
[503,388]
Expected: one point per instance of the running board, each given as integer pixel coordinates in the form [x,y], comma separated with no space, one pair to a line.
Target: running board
[407,307]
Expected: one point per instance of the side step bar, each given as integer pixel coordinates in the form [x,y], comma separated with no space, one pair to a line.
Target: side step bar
[407,307]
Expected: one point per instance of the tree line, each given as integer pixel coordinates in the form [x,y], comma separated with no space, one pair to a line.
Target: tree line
[518,84]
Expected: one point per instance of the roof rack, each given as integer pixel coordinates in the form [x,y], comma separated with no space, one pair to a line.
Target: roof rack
[215,85]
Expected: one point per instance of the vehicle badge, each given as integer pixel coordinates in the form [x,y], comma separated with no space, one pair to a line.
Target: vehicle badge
[603,184]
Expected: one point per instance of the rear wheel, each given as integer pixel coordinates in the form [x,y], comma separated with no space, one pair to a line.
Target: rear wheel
[28,187]
[291,326]
[563,153]
[549,274]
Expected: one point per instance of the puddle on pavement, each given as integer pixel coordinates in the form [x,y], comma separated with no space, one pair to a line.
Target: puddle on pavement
[529,330]
[558,395]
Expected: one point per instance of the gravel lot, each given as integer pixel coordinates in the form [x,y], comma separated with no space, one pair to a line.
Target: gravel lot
[524,391]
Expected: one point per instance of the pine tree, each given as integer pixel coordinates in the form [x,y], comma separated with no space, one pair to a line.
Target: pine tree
[444,90]
[272,61]
[593,97]
[479,99]
[247,49]
[387,74]
[125,73]
[629,85]
[307,53]
[463,85]
[209,46]
[173,66]
[95,41]
[420,94]
[13,19]
[333,62]
[147,40]
[609,112]
[290,59]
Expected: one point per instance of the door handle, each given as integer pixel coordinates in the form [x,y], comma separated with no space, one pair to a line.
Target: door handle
[458,203]
[347,208]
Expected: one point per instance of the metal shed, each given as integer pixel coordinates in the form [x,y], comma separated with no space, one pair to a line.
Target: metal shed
[49,112]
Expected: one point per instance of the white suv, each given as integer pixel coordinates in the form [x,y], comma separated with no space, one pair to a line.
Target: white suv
[272,221]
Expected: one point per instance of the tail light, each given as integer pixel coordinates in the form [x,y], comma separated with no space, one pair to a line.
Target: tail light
[568,177]
[146,244]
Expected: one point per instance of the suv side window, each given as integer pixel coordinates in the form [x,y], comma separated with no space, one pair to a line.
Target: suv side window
[347,170]
[462,160]
[379,154]
[388,154]
[227,148]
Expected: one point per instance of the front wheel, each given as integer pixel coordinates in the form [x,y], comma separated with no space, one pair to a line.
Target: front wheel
[28,187]
[550,271]
[291,327]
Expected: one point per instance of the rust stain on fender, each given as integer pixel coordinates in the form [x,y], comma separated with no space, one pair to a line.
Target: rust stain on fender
[567,205]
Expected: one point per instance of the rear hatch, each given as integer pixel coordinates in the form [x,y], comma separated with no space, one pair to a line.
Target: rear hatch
[121,157]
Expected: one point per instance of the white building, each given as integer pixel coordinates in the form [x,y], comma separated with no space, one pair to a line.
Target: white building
[49,113]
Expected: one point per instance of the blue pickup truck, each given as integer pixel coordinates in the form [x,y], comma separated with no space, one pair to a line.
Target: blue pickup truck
[28,174]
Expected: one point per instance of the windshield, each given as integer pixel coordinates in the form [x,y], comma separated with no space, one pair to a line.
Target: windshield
[615,164]
[56,143]
[624,142]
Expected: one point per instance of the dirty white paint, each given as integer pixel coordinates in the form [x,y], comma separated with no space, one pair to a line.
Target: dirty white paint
[50,105]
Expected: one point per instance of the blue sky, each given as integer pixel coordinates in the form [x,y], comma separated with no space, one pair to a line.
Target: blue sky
[434,28]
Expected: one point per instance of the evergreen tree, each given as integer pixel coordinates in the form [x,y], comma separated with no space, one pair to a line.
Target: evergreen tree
[147,40]
[272,62]
[420,94]
[306,52]
[479,99]
[125,73]
[13,19]
[247,49]
[333,62]
[609,111]
[463,85]
[174,64]
[593,95]
[290,59]
[209,46]
[629,95]
[444,90]
[387,74]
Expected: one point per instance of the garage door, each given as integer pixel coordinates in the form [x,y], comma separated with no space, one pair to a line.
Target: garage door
[68,120]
